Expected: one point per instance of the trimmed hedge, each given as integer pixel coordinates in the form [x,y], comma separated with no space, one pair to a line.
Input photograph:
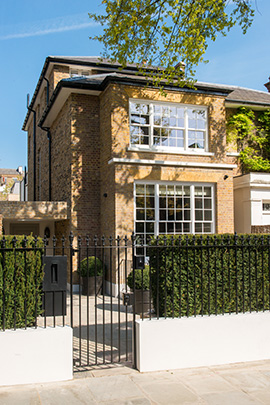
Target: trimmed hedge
[141,279]
[21,275]
[215,274]
[93,262]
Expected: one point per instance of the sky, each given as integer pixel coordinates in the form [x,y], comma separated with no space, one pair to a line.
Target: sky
[32,30]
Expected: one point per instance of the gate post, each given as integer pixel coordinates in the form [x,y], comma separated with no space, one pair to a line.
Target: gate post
[134,313]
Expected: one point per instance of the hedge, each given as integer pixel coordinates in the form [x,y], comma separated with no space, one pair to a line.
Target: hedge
[21,276]
[215,274]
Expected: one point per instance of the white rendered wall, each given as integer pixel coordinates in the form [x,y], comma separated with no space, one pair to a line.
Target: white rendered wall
[202,341]
[250,190]
[36,355]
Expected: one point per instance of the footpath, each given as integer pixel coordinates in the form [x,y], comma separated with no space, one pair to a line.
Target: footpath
[237,384]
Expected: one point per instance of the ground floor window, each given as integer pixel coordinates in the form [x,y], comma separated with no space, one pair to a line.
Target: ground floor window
[173,208]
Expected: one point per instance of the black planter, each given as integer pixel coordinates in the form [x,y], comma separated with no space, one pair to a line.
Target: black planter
[91,285]
[142,301]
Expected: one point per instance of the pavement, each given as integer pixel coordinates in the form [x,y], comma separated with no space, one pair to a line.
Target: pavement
[235,384]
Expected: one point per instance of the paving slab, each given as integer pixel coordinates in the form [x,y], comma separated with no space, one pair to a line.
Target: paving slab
[248,381]
[230,398]
[207,383]
[66,393]
[119,387]
[19,395]
[166,392]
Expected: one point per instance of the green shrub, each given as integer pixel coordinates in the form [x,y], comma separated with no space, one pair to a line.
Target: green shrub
[21,276]
[215,274]
[92,264]
[141,279]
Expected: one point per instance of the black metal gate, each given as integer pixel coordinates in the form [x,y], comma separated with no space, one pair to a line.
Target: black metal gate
[102,321]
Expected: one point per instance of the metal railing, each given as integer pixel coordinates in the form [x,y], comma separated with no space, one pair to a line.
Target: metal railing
[178,276]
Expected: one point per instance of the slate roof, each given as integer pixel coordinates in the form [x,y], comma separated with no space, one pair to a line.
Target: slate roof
[249,96]
[8,172]
[234,95]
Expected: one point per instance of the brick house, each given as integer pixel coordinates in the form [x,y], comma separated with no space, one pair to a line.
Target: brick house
[110,154]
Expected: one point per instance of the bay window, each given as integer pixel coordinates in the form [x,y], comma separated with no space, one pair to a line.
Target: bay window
[155,125]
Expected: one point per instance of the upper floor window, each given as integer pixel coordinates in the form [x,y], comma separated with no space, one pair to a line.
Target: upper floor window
[79,72]
[161,126]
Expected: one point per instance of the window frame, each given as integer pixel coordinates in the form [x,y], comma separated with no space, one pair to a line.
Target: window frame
[265,212]
[168,149]
[192,186]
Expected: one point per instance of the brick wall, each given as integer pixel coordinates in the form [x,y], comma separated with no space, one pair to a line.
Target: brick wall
[117,214]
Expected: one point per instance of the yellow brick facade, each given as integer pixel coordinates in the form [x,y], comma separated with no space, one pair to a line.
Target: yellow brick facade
[90,130]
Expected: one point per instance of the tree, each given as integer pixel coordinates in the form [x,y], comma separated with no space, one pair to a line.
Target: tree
[166,32]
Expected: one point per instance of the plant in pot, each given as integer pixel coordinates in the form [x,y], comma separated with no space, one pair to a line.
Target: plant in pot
[142,292]
[91,268]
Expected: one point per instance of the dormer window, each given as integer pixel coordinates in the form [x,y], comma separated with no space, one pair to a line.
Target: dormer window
[161,126]
[79,73]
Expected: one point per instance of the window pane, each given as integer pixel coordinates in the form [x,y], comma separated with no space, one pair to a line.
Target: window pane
[140,202]
[144,140]
[134,107]
[150,215]
[170,227]
[157,120]
[149,227]
[180,143]
[198,203]
[162,215]
[162,228]
[139,227]
[178,190]
[179,215]
[187,202]
[186,190]
[144,109]
[198,227]
[187,215]
[208,215]
[186,227]
[207,203]
[157,108]
[150,202]
[198,191]
[140,214]
[207,228]
[171,215]
[178,227]
[150,189]
[207,191]
[170,202]
[162,202]
[135,140]
[140,189]
[198,215]
[179,203]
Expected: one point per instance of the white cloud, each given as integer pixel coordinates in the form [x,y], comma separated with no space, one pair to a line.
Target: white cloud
[46,27]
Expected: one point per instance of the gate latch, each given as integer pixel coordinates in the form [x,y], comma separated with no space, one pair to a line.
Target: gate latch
[126,299]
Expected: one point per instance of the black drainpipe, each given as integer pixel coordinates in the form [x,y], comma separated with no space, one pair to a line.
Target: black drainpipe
[34,144]
[48,90]
[50,141]
[50,159]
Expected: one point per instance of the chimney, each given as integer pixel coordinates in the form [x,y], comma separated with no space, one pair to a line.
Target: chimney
[267,85]
[181,66]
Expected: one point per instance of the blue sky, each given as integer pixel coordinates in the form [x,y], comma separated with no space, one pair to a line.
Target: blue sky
[32,30]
